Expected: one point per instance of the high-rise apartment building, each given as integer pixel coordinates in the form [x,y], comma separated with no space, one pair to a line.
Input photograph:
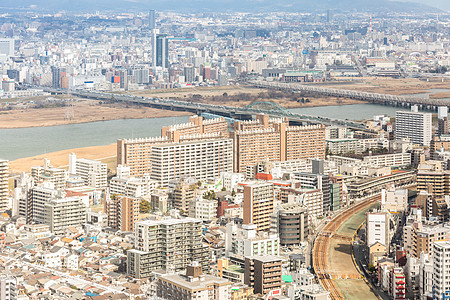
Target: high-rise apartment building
[258,204]
[8,287]
[316,181]
[170,244]
[122,212]
[199,159]
[4,183]
[136,153]
[274,140]
[94,173]
[263,273]
[414,125]
[47,173]
[41,194]
[61,213]
[441,269]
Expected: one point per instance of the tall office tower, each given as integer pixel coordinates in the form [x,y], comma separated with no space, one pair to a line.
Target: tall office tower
[7,47]
[329,15]
[94,173]
[123,212]
[123,79]
[169,244]
[8,287]
[258,205]
[441,269]
[290,222]
[263,274]
[414,125]
[60,213]
[189,73]
[47,173]
[4,178]
[151,19]
[199,159]
[162,51]
[182,195]
[56,77]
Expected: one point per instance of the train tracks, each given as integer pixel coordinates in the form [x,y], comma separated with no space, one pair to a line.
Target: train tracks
[322,245]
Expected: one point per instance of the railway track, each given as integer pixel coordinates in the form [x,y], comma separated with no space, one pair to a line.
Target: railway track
[322,244]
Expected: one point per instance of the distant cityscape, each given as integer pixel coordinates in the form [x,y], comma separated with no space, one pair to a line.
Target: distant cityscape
[251,196]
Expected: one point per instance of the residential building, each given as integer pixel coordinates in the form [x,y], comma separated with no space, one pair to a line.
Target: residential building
[263,273]
[258,204]
[49,174]
[290,222]
[203,209]
[62,213]
[193,285]
[441,268]
[198,159]
[8,287]
[93,172]
[159,201]
[414,125]
[182,196]
[170,244]
[122,212]
[245,240]
[397,286]
[4,184]
[135,187]
[377,224]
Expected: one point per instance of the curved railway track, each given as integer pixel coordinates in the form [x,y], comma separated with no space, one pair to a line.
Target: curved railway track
[322,244]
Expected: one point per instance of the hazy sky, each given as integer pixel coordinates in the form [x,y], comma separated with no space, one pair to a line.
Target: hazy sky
[441,4]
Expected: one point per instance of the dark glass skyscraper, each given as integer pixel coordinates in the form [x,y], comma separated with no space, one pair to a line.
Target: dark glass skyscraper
[151,19]
[162,51]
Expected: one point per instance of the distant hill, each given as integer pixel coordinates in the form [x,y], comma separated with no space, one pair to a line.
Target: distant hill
[222,5]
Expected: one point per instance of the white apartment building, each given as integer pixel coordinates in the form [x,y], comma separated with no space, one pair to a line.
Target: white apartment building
[377,228]
[40,195]
[394,200]
[4,177]
[8,287]
[200,159]
[47,173]
[231,180]
[64,212]
[203,209]
[414,125]
[245,240]
[389,160]
[135,187]
[441,269]
[312,200]
[93,172]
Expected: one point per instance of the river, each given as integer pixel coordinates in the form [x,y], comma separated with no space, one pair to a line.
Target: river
[26,142]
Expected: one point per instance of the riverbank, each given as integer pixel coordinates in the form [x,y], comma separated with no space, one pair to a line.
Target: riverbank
[84,111]
[106,153]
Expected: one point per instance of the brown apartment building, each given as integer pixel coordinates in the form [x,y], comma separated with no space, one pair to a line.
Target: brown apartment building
[122,212]
[258,204]
[267,139]
[263,273]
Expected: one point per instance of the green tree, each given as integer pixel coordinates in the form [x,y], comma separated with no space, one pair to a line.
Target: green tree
[144,206]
